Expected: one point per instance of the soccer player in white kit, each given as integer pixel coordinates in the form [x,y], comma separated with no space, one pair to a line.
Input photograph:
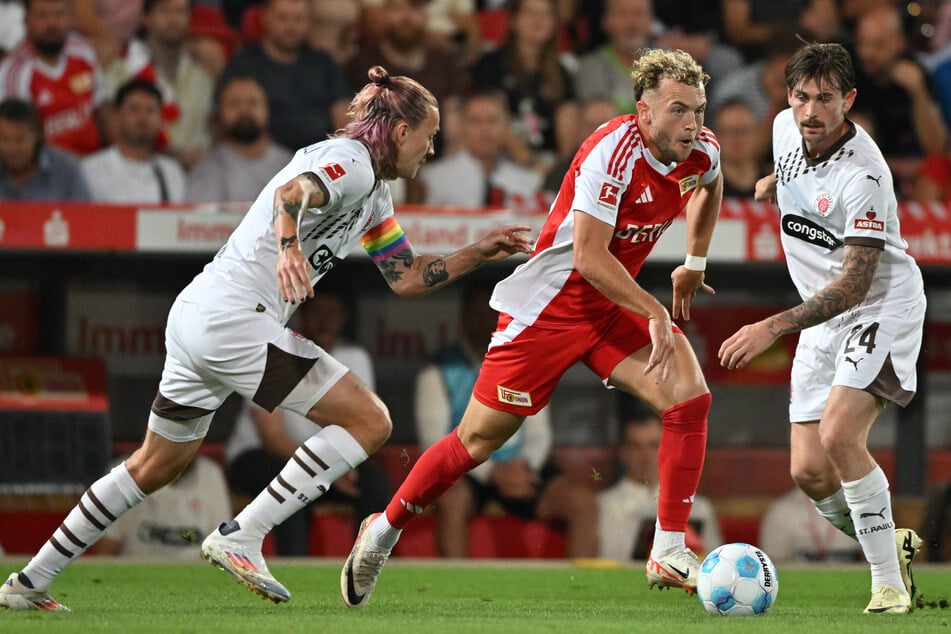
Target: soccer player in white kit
[226,333]
[861,318]
[577,300]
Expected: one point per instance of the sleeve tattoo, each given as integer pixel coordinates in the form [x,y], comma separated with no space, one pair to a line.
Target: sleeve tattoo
[388,267]
[858,269]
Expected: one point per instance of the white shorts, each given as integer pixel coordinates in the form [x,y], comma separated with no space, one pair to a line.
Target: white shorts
[211,352]
[873,349]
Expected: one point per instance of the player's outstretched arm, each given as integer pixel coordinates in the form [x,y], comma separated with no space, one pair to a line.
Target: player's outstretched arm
[291,200]
[411,274]
[702,212]
[593,260]
[859,263]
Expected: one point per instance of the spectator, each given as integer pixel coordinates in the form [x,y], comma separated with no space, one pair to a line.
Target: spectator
[592,114]
[246,158]
[11,25]
[131,171]
[519,475]
[895,89]
[108,24]
[933,181]
[161,57]
[211,40]
[307,90]
[453,25]
[936,523]
[793,530]
[29,170]
[741,155]
[480,174]
[627,511]
[262,443]
[604,72]
[695,26]
[751,25]
[58,71]
[538,86]
[762,85]
[335,28]
[402,48]
[170,523]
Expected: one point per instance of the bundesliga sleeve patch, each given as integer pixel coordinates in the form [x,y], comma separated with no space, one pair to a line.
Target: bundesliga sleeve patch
[333,171]
[609,195]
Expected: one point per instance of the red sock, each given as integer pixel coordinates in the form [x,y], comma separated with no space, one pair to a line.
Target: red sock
[437,469]
[683,445]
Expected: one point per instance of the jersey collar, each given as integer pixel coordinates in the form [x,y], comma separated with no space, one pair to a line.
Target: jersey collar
[822,158]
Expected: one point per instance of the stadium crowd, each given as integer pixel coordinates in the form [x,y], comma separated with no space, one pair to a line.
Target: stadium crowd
[545,61]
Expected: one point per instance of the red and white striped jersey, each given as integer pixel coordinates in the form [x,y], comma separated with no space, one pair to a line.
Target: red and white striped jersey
[616,179]
[66,94]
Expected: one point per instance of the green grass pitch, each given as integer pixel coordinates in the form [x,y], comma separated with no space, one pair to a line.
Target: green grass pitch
[420,597]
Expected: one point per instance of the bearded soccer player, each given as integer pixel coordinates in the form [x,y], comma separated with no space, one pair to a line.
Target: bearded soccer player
[577,299]
[861,316]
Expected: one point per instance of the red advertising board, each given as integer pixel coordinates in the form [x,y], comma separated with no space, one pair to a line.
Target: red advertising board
[53,383]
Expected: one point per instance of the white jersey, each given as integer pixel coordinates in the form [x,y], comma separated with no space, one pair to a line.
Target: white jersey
[844,197]
[243,273]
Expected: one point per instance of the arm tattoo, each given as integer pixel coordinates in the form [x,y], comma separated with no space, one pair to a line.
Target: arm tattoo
[435,273]
[287,242]
[858,268]
[388,267]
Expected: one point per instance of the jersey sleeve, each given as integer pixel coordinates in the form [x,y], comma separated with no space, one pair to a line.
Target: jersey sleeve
[603,178]
[710,146]
[866,198]
[344,178]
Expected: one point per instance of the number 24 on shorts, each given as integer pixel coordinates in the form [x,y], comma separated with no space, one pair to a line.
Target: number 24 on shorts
[866,338]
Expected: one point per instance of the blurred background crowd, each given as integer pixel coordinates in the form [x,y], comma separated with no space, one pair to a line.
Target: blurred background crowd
[240,84]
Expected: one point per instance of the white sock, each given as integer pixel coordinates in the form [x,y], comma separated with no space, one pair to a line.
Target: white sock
[836,510]
[666,541]
[382,533]
[315,465]
[871,507]
[103,503]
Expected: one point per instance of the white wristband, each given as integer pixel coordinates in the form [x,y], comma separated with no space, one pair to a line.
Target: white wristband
[695,263]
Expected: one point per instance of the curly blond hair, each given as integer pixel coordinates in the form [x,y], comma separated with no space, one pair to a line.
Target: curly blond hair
[655,64]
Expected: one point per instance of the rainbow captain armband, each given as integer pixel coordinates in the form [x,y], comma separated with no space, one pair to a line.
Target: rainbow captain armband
[384,240]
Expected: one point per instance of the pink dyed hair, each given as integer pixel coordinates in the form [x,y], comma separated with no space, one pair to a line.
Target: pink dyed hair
[378,107]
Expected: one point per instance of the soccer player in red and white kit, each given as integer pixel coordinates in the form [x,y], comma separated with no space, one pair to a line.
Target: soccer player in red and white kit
[577,299]
[58,71]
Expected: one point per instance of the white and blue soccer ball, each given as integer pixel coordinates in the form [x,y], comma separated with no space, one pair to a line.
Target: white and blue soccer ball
[737,580]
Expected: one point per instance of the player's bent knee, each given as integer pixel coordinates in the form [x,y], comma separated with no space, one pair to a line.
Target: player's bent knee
[378,426]
[813,480]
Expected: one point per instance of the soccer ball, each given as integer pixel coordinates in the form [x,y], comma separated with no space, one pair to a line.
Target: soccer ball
[737,580]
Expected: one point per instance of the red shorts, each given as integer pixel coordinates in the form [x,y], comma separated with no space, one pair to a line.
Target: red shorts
[524,363]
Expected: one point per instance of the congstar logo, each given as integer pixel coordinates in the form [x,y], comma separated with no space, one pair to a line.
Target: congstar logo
[808,231]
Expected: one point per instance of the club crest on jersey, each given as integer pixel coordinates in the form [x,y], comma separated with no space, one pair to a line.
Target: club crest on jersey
[869,223]
[689,183]
[824,204]
[514,397]
[808,231]
[333,171]
[609,194]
